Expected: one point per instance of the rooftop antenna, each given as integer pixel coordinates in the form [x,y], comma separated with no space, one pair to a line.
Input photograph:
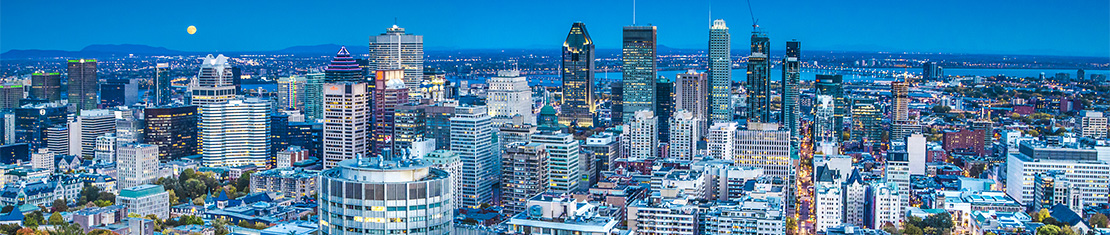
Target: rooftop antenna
[633,12]
[710,12]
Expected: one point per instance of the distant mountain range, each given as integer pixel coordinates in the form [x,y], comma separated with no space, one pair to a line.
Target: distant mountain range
[114,50]
[110,50]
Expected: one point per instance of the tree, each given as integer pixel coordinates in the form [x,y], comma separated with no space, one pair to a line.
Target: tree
[890,228]
[243,223]
[791,225]
[941,109]
[9,229]
[111,197]
[940,221]
[33,219]
[56,219]
[59,205]
[1040,215]
[1099,220]
[912,230]
[103,203]
[1050,220]
[1048,229]
[173,197]
[244,181]
[196,186]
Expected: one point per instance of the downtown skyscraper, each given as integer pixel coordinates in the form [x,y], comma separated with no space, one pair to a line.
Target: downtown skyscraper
[346,122]
[396,49]
[83,84]
[163,90]
[236,133]
[638,66]
[791,74]
[832,86]
[46,86]
[389,92]
[343,68]
[472,137]
[578,77]
[214,83]
[720,73]
[759,78]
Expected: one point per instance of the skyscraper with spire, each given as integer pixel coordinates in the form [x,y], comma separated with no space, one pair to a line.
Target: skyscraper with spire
[578,77]
[343,68]
[638,67]
[720,73]
[791,73]
[759,78]
[396,49]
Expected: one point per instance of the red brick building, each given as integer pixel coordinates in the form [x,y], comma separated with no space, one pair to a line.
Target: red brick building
[964,141]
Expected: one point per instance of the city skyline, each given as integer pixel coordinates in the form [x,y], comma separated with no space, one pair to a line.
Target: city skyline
[929,27]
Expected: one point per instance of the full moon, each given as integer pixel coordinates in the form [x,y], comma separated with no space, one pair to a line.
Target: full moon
[191,29]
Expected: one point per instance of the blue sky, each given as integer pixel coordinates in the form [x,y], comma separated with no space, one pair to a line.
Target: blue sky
[1079,28]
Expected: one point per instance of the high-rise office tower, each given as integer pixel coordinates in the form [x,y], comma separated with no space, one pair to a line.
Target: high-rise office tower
[57,139]
[291,93]
[409,125]
[865,121]
[684,135]
[343,68]
[137,164]
[346,128]
[393,196]
[88,126]
[173,129]
[119,92]
[236,133]
[438,124]
[638,67]
[214,83]
[563,151]
[720,73]
[664,106]
[10,95]
[313,96]
[396,49]
[900,91]
[901,126]
[824,123]
[82,84]
[759,78]
[524,175]
[472,138]
[389,93]
[831,85]
[578,77]
[31,122]
[932,72]
[690,92]
[764,145]
[643,134]
[162,94]
[616,103]
[509,97]
[791,74]
[47,86]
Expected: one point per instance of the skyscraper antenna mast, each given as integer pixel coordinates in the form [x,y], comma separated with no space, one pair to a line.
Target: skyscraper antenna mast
[633,12]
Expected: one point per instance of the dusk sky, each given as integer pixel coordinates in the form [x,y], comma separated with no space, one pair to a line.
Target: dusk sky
[1074,28]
